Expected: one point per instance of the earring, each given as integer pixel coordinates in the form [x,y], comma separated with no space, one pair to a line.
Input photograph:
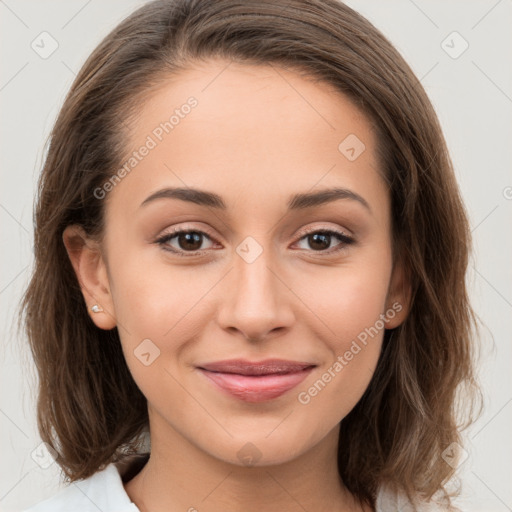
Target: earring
[96,308]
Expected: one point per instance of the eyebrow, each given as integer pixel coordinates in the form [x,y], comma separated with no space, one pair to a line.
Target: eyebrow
[296,202]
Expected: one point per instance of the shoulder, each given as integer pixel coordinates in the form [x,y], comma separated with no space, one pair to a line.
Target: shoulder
[391,501]
[102,491]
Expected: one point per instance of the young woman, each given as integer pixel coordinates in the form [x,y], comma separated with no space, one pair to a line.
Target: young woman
[250,252]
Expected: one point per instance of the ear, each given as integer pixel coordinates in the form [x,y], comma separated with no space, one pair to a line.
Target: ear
[398,300]
[91,271]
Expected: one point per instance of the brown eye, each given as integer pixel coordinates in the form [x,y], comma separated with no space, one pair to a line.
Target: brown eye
[189,241]
[319,241]
[322,241]
[183,241]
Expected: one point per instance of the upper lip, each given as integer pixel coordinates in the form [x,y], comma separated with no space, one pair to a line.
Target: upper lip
[266,367]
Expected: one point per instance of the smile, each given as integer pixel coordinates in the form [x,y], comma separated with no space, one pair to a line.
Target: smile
[256,381]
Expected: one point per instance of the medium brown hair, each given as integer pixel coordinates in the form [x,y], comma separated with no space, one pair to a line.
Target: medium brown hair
[89,407]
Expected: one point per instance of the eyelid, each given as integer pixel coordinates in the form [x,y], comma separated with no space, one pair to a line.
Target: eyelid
[186,228]
[314,229]
[166,235]
[345,238]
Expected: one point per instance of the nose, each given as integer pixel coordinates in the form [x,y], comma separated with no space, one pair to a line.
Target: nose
[255,302]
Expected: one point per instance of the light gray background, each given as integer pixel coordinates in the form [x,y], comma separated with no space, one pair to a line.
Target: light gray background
[473,97]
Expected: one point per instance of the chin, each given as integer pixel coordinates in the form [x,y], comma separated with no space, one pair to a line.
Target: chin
[261,451]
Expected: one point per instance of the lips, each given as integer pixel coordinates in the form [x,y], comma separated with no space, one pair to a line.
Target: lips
[256,381]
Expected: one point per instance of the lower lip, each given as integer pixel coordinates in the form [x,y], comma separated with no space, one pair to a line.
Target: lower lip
[257,388]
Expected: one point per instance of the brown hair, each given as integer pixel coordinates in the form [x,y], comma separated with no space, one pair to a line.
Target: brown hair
[89,407]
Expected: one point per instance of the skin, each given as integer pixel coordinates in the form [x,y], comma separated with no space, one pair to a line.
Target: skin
[258,135]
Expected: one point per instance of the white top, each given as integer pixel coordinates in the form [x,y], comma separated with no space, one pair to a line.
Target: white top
[105,491]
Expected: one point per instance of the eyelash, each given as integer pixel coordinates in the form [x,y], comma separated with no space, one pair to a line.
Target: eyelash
[344,239]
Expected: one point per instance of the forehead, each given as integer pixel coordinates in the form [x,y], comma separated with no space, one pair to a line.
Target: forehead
[238,128]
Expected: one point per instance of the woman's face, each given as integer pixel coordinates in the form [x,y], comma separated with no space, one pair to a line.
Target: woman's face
[288,257]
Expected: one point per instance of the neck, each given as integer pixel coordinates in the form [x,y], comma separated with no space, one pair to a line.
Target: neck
[181,477]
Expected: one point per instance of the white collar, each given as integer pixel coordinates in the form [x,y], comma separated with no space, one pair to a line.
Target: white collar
[105,491]
[102,491]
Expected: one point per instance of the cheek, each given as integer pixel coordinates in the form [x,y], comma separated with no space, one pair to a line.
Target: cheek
[152,298]
[171,306]
[160,311]
[349,324]
[346,307]
[345,301]
[338,387]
